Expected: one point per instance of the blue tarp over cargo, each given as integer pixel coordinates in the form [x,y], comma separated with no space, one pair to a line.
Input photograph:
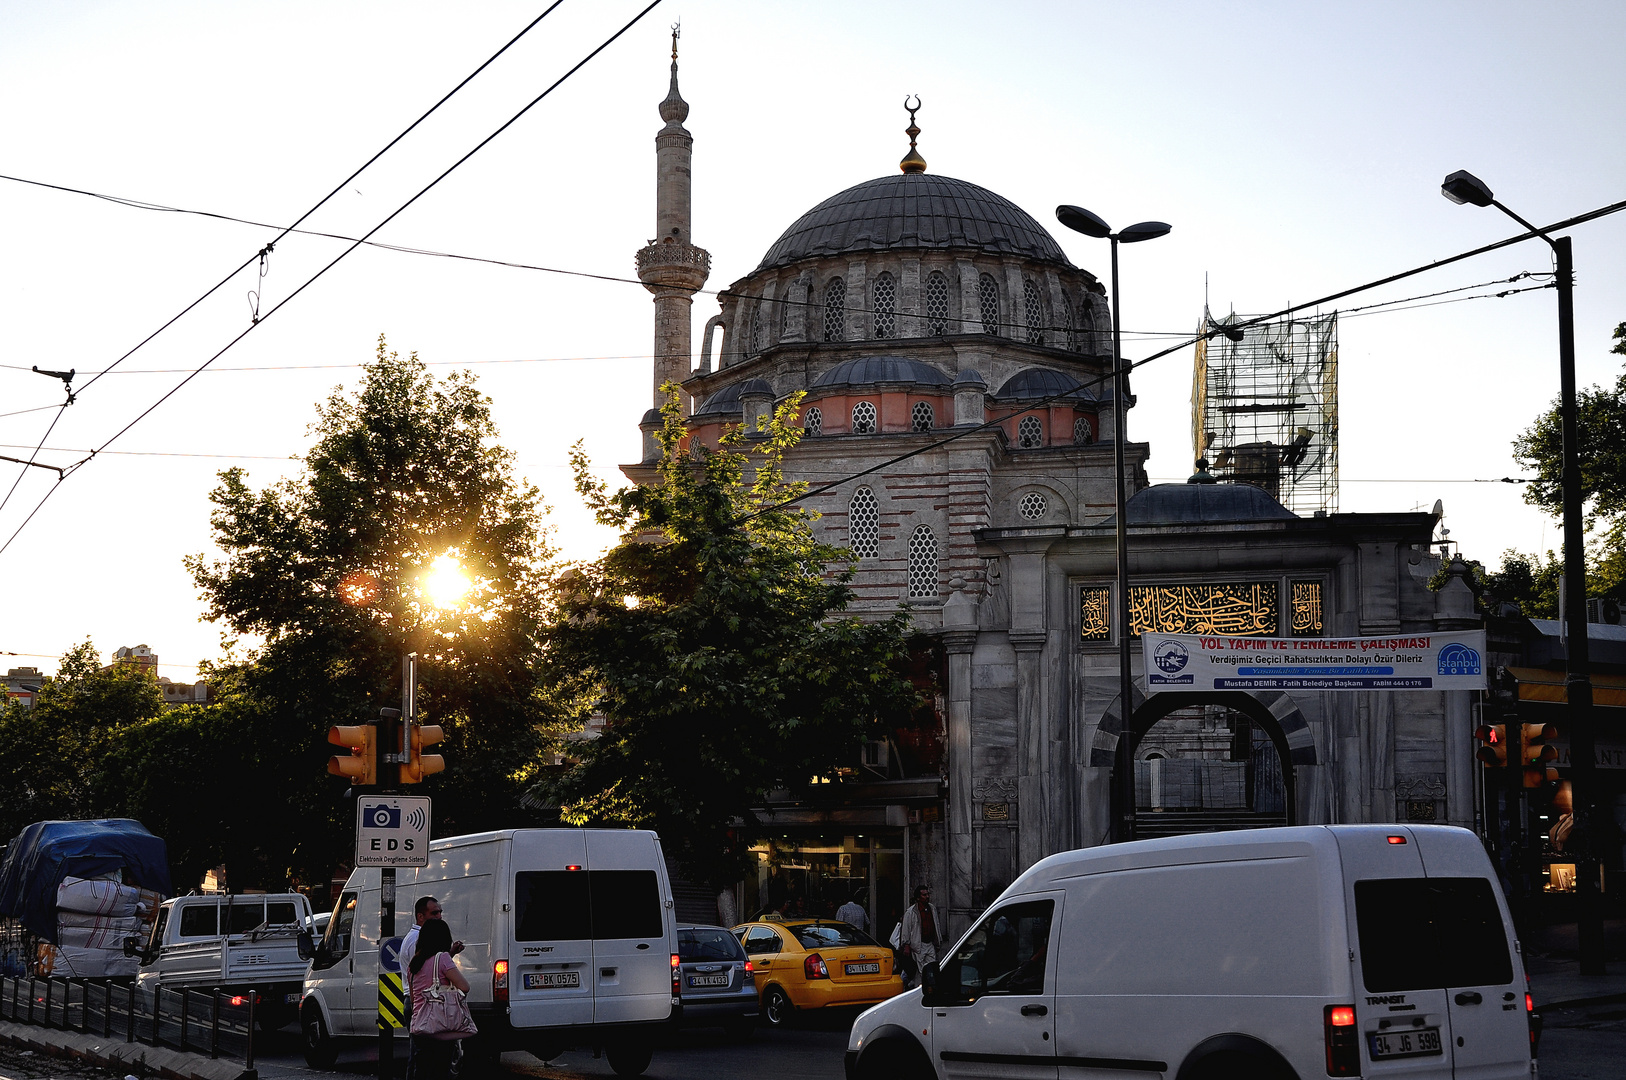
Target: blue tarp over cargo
[48,851]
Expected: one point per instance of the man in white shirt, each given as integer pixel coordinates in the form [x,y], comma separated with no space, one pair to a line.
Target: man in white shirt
[853,912]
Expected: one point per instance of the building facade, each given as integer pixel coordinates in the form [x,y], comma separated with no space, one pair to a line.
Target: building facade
[948,350]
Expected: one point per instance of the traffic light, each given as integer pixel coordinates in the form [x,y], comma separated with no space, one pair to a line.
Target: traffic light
[1535,751]
[361,764]
[420,764]
[1493,753]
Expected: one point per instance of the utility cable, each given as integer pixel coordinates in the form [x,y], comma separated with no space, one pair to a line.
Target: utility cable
[260,255]
[72,469]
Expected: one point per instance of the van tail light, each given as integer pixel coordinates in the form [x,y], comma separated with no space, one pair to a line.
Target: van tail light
[1343,1048]
[814,967]
[1531,1016]
[499,981]
[677,975]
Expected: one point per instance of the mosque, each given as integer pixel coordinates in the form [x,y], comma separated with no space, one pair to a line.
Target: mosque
[942,339]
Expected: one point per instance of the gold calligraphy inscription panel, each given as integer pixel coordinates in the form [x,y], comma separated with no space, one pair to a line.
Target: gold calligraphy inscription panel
[1235,609]
[1306,608]
[1095,613]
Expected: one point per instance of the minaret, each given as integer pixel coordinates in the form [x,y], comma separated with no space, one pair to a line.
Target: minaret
[671,267]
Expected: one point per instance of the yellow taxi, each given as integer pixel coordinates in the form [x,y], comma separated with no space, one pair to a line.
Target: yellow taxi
[804,964]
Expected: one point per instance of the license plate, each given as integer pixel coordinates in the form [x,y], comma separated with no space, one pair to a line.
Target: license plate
[1405,1043]
[290,999]
[864,969]
[708,980]
[551,980]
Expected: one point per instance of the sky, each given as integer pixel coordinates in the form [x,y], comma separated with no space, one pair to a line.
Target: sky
[1297,150]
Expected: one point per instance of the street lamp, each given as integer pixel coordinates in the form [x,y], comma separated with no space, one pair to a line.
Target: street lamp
[1081,220]
[1466,188]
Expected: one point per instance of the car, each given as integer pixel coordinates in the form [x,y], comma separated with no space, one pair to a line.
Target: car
[715,983]
[808,964]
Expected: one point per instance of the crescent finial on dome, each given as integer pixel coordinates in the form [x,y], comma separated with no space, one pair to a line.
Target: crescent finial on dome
[674,110]
[912,161]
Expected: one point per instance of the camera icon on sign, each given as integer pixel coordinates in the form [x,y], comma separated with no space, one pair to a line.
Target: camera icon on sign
[381,816]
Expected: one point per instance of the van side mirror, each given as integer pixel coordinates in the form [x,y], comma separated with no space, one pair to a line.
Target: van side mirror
[132,946]
[306,945]
[928,984]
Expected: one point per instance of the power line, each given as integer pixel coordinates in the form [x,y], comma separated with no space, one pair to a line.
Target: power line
[72,469]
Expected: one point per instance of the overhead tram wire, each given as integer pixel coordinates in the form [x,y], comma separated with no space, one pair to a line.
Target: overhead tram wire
[1258,320]
[251,260]
[76,466]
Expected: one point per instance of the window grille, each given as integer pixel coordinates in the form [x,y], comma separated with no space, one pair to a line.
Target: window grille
[813,421]
[885,306]
[864,524]
[1033,506]
[1082,435]
[756,330]
[936,304]
[864,418]
[1035,312]
[920,417]
[923,563]
[835,310]
[988,298]
[1029,433]
[1070,327]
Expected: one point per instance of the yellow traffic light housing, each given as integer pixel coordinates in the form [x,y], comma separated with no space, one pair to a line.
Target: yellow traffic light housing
[1493,754]
[361,764]
[1535,751]
[420,764]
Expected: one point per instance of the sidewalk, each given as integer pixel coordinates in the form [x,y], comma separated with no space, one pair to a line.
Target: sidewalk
[1555,973]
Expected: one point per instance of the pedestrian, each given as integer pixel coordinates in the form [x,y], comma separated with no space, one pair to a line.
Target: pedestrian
[426,908]
[920,934]
[853,912]
[432,961]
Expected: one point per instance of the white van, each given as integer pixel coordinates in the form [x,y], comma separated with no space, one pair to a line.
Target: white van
[1373,951]
[569,939]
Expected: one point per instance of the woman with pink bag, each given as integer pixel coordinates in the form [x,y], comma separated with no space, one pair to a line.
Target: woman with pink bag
[439,1014]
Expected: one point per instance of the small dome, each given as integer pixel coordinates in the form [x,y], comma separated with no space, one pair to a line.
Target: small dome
[870,370]
[914,211]
[727,400]
[1203,504]
[970,378]
[1033,383]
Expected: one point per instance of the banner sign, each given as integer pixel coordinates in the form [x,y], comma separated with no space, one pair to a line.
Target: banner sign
[1197,663]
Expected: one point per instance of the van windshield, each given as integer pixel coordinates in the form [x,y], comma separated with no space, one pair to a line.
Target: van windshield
[573,905]
[1430,933]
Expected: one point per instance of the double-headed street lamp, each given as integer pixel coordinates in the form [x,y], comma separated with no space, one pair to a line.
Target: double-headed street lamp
[1081,220]
[1464,187]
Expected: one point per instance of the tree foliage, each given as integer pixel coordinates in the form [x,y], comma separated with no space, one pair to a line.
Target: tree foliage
[710,650]
[406,473]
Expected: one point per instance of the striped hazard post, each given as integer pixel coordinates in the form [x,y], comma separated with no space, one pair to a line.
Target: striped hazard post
[391,1005]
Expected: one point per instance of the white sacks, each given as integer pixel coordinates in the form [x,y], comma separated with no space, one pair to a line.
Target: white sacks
[94,916]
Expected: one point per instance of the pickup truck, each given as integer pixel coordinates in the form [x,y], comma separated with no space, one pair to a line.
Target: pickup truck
[237,943]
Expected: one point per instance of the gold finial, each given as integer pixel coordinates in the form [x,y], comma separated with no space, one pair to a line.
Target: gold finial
[912,161]
[677,32]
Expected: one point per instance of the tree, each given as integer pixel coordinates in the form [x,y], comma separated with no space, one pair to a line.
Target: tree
[336,570]
[711,649]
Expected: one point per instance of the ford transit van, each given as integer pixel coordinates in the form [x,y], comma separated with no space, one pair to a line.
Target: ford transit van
[1279,954]
[569,939]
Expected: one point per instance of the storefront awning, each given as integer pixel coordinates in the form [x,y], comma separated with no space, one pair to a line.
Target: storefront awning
[1540,684]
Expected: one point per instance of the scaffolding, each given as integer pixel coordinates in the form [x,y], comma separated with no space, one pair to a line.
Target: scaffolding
[1264,410]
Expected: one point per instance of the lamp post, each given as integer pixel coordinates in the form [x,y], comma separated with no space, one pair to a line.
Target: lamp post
[1463,187]
[1081,220]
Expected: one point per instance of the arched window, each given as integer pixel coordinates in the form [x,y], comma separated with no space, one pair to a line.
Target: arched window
[1068,325]
[1034,304]
[1033,506]
[923,563]
[1082,435]
[864,418]
[884,306]
[756,330]
[835,310]
[813,421]
[864,524]
[920,417]
[988,299]
[1029,433]
[936,304]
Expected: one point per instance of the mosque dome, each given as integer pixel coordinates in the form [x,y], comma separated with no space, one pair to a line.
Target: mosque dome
[872,370]
[919,211]
[727,400]
[1033,383]
[1204,504]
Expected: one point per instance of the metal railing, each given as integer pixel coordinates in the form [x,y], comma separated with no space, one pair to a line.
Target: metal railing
[211,1022]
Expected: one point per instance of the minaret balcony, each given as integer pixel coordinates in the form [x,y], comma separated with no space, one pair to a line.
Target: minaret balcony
[674,266]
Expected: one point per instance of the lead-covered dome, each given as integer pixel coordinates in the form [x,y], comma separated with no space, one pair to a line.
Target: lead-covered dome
[918,211]
[874,370]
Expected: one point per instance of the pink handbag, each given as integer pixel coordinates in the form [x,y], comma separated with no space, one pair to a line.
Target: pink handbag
[443,1013]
